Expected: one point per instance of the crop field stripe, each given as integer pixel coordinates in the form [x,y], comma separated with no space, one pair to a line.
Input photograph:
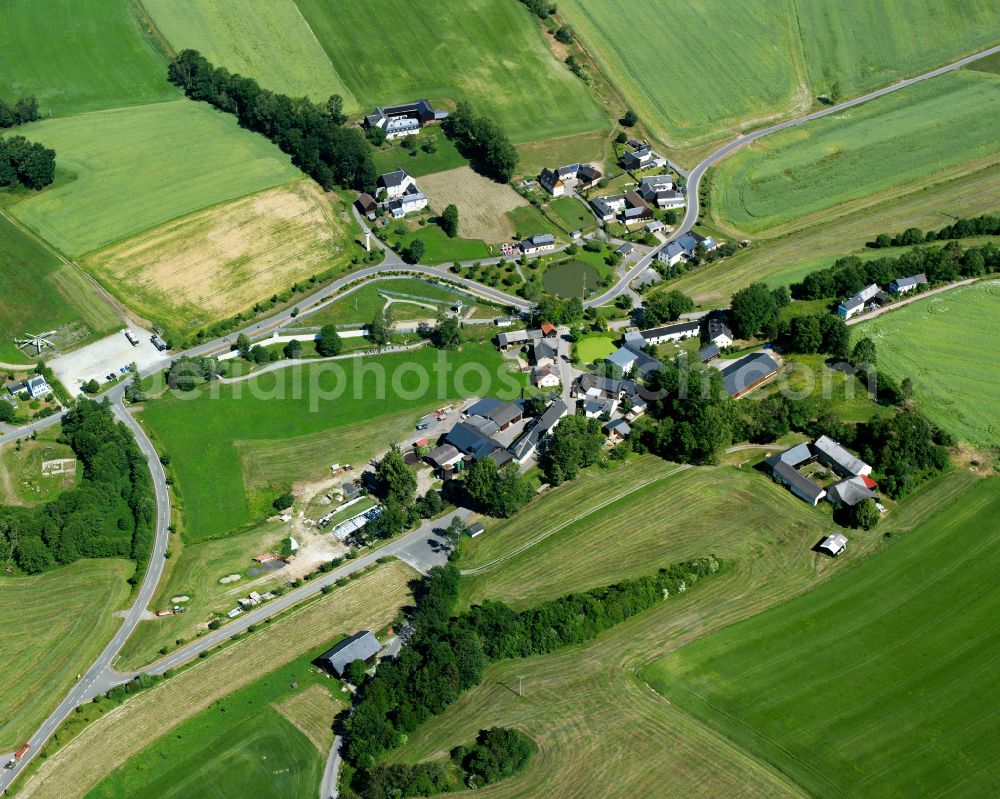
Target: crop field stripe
[486,567]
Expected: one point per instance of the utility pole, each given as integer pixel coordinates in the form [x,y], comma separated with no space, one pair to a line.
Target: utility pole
[520,685]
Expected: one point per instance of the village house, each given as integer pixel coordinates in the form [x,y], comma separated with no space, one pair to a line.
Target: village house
[851,491]
[901,285]
[541,242]
[37,387]
[684,248]
[717,331]
[650,186]
[856,304]
[641,156]
[566,178]
[405,119]
[546,376]
[786,466]
[524,446]
[394,184]
[676,331]
[607,208]
[637,209]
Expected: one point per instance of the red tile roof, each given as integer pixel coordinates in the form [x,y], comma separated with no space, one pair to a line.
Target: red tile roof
[869,483]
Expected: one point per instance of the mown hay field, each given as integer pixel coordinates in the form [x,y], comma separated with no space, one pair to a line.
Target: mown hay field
[701,71]
[930,341]
[220,261]
[368,603]
[41,293]
[962,192]
[124,171]
[599,728]
[879,683]
[489,53]
[482,203]
[883,144]
[272,43]
[55,626]
[78,55]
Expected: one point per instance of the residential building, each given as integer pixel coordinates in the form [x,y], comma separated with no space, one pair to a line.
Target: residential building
[856,304]
[541,242]
[832,454]
[404,119]
[411,200]
[543,353]
[743,376]
[637,209]
[650,186]
[642,157]
[676,331]
[717,331]
[901,285]
[546,376]
[524,446]
[626,250]
[607,208]
[360,646]
[669,200]
[552,183]
[394,184]
[624,358]
[566,178]
[37,387]
[684,248]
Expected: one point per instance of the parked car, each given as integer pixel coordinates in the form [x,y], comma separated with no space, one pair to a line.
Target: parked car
[423,426]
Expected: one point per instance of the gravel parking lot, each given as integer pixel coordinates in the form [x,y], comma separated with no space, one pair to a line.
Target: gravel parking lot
[98,360]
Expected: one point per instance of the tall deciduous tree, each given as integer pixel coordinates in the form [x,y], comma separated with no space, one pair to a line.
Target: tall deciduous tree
[394,479]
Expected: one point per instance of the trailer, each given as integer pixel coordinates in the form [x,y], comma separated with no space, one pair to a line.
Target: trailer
[132,338]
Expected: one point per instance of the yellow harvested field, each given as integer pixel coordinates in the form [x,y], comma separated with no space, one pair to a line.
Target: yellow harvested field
[220,261]
[312,711]
[368,603]
[482,203]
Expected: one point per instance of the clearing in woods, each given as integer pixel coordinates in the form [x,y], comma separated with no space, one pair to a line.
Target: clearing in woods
[273,44]
[220,261]
[963,192]
[24,478]
[956,385]
[795,686]
[886,143]
[768,57]
[124,171]
[616,737]
[56,624]
[489,53]
[482,203]
[41,293]
[78,55]
[368,603]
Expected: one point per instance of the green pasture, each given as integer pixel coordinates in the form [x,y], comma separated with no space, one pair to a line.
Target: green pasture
[881,145]
[931,341]
[361,305]
[239,746]
[78,55]
[57,623]
[438,248]
[594,348]
[878,683]
[124,171]
[41,293]
[273,429]
[571,214]
[272,43]
[529,221]
[393,155]
[24,483]
[489,53]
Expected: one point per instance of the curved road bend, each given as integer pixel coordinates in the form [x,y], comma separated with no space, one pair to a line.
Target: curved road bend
[696,174]
[85,687]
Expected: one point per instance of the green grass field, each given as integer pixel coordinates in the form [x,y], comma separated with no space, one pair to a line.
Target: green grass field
[41,293]
[489,53]
[879,683]
[123,172]
[360,306]
[929,341]
[273,44]
[593,348]
[78,55]
[438,248]
[258,426]
[56,624]
[392,155]
[883,144]
[767,57]
[240,746]
[21,478]
[571,214]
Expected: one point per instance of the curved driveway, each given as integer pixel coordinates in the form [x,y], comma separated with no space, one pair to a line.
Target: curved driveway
[422,543]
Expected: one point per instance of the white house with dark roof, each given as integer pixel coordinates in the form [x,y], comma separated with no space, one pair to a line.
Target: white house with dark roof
[677,331]
[394,184]
[607,208]
[642,157]
[411,200]
[37,387]
[649,186]
[561,181]
[541,242]
[856,304]
[684,248]
[901,285]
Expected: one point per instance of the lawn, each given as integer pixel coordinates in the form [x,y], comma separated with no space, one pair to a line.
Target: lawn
[965,191]
[368,603]
[56,624]
[78,55]
[879,683]
[321,405]
[886,143]
[767,57]
[273,44]
[489,53]
[529,221]
[929,342]
[438,248]
[571,214]
[393,155]
[360,306]
[220,261]
[41,293]
[21,478]
[118,174]
[594,348]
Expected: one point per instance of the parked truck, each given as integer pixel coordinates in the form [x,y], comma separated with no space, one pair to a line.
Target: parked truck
[132,338]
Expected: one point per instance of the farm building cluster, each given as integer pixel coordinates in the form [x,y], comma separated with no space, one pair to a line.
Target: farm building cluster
[397,193]
[873,296]
[542,351]
[806,470]
[405,119]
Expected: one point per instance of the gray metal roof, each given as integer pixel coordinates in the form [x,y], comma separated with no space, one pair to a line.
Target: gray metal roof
[360,646]
[790,477]
[740,376]
[849,492]
[840,456]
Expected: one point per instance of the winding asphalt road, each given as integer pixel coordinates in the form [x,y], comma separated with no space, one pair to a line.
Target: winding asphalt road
[421,546]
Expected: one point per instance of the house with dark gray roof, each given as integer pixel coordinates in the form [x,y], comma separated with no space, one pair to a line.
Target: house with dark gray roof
[404,119]
[901,285]
[856,304]
[676,331]
[360,646]
[746,374]
[849,492]
[469,439]
[540,242]
[798,484]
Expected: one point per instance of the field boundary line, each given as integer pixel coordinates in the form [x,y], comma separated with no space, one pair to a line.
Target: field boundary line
[563,525]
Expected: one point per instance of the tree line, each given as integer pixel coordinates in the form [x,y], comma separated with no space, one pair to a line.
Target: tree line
[313,135]
[110,514]
[481,139]
[25,163]
[447,654]
[23,111]
[985,225]
[944,264]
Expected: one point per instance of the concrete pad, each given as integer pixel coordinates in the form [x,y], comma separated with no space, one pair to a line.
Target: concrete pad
[96,361]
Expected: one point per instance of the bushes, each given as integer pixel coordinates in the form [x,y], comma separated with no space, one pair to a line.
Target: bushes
[499,753]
